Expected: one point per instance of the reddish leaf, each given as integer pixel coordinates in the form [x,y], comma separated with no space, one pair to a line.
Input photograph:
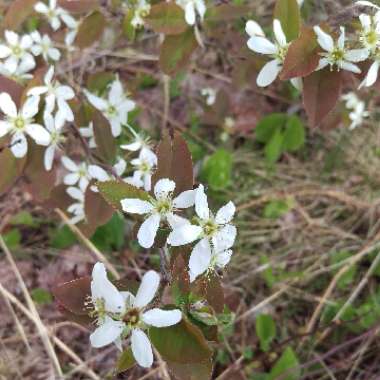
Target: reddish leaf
[105,142]
[193,371]
[17,13]
[302,57]
[12,88]
[59,198]
[97,210]
[174,162]
[321,93]
[79,6]
[176,51]
[10,166]
[74,294]
[288,13]
[225,12]
[90,30]
[167,18]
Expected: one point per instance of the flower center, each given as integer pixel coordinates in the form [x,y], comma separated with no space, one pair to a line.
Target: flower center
[132,317]
[145,167]
[337,55]
[281,52]
[210,228]
[17,51]
[19,123]
[111,111]
[371,38]
[163,206]
[51,13]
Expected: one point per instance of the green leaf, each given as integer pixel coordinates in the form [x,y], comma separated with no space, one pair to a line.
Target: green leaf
[166,18]
[288,13]
[12,238]
[176,50]
[268,125]
[24,218]
[90,30]
[114,191]
[62,238]
[110,237]
[273,149]
[98,82]
[217,169]
[277,208]
[287,367]
[294,137]
[225,12]
[41,296]
[265,330]
[349,276]
[125,361]
[182,343]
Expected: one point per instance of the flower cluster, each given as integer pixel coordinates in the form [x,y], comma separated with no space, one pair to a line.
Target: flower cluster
[214,234]
[122,314]
[357,107]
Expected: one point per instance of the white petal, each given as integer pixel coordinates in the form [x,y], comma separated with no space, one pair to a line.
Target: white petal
[133,147]
[148,230]
[40,7]
[201,204]
[356,55]
[19,145]
[102,287]
[223,258]
[185,199]
[141,348]
[371,76]
[37,91]
[225,237]
[279,33]
[176,221]
[365,20]
[268,73]
[11,37]
[106,333]
[184,234]
[225,214]
[323,62]
[69,164]
[26,42]
[77,194]
[200,258]
[7,105]
[163,187]
[325,40]
[4,128]
[201,8]
[254,29]
[98,173]
[64,110]
[30,107]
[350,67]
[116,92]
[71,179]
[148,288]
[342,38]
[261,45]
[49,157]
[65,92]
[136,206]
[5,51]
[367,3]
[97,102]
[190,13]
[38,133]
[162,318]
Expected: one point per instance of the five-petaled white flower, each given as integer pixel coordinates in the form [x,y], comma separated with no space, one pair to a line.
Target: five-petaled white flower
[358,107]
[161,208]
[76,208]
[192,8]
[20,72]
[43,45]
[54,14]
[54,128]
[144,166]
[21,123]
[120,314]
[210,95]
[336,54]
[55,94]
[78,173]
[115,108]
[260,44]
[88,132]
[215,234]
[140,10]
[16,51]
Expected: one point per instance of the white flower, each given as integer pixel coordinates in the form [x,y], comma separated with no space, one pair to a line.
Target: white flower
[16,52]
[98,173]
[115,108]
[358,108]
[336,54]
[55,94]
[367,4]
[139,142]
[71,35]
[21,123]
[120,314]
[144,166]
[216,234]
[192,8]
[160,209]
[141,10]
[210,95]
[54,14]
[88,132]
[43,45]
[78,173]
[54,127]
[260,44]
[76,208]
[371,76]
[20,72]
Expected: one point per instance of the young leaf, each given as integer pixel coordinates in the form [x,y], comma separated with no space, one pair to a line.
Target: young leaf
[273,149]
[90,30]
[302,57]
[294,136]
[114,191]
[166,18]
[288,13]
[182,343]
[321,93]
[217,169]
[267,126]
[176,51]
[287,367]
[265,330]
[17,13]
[210,289]
[174,162]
